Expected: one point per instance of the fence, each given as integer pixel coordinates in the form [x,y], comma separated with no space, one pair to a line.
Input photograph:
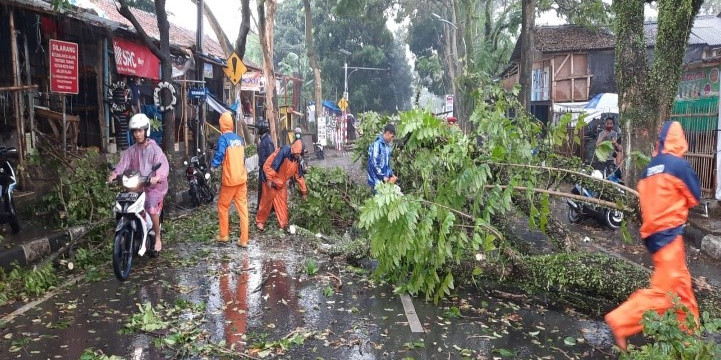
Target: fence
[699,119]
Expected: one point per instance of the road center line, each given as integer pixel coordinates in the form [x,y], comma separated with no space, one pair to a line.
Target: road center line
[411,315]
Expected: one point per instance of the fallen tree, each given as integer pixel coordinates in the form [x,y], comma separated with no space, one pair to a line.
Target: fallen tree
[457,193]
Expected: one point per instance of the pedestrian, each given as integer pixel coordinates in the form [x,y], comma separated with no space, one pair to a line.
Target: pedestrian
[609,134]
[141,157]
[379,158]
[667,189]
[265,148]
[231,154]
[279,168]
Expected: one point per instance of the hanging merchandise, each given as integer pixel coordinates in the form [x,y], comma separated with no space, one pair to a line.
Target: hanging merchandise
[164,102]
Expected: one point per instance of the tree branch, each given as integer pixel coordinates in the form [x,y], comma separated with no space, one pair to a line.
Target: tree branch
[124,10]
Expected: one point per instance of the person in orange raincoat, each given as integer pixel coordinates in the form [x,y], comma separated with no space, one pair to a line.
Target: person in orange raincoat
[280,166]
[667,189]
[231,153]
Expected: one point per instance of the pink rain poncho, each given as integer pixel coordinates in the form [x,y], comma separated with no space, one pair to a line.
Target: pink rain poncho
[142,157]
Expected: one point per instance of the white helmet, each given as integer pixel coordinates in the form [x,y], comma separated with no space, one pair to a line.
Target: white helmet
[140,121]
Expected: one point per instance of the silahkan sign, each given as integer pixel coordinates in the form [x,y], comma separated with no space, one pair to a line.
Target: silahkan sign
[135,60]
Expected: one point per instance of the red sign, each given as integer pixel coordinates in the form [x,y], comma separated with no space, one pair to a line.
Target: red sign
[63,67]
[135,60]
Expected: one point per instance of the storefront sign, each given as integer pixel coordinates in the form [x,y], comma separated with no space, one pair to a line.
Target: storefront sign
[197,93]
[63,67]
[251,81]
[135,60]
[699,83]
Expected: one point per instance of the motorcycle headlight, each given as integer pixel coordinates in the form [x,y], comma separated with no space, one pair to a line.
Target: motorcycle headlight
[185,162]
[207,176]
[597,174]
[131,182]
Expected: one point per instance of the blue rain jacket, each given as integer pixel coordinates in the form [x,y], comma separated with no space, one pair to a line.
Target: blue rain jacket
[379,161]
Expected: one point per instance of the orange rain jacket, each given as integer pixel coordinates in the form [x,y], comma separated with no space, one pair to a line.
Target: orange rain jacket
[231,152]
[667,189]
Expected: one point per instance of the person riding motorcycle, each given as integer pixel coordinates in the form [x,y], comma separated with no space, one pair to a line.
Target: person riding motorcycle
[141,157]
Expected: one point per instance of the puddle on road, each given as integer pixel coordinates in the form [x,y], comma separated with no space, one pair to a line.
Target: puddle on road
[264,294]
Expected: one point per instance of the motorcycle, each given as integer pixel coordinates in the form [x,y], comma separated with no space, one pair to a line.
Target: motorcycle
[134,232]
[200,185]
[318,149]
[578,211]
[8,182]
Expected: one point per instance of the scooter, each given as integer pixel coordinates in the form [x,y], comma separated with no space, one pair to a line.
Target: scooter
[134,233]
[318,149]
[8,182]
[200,185]
[578,211]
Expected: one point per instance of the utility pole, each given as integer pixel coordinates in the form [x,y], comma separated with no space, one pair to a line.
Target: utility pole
[200,126]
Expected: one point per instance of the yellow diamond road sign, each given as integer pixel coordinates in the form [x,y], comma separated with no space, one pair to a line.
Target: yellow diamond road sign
[343,104]
[235,68]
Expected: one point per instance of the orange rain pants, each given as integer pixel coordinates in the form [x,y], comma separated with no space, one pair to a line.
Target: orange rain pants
[670,275]
[276,199]
[238,194]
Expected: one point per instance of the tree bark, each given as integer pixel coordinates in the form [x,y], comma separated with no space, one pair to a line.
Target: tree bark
[313,58]
[240,42]
[527,49]
[646,97]
[217,29]
[266,17]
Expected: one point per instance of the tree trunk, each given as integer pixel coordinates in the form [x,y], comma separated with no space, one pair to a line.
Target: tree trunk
[244,28]
[266,16]
[313,58]
[527,49]
[646,98]
[162,51]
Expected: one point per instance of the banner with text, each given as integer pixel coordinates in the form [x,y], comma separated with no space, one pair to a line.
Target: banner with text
[135,60]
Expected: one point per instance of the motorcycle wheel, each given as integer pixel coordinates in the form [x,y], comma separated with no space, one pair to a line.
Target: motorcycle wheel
[194,196]
[14,219]
[613,218]
[573,215]
[123,254]
[319,154]
[206,194]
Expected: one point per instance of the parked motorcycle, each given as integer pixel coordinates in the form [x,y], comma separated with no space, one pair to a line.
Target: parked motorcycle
[200,184]
[318,149]
[134,233]
[578,211]
[8,182]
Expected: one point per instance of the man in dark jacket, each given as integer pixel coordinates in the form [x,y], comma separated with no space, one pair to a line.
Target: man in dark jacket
[265,148]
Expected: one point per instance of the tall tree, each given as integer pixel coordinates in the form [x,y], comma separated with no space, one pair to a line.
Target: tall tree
[646,94]
[527,50]
[313,58]
[266,20]
[161,49]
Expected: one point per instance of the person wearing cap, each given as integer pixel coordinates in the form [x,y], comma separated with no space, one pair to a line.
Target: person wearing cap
[141,157]
[265,148]
[667,189]
[280,166]
[234,187]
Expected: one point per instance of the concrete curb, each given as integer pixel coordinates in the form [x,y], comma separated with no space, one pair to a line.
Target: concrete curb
[35,250]
[703,240]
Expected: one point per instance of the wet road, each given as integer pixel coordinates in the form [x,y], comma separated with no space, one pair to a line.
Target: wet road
[251,300]
[281,298]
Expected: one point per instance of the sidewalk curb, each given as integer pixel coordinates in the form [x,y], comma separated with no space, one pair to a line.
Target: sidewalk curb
[702,239]
[34,250]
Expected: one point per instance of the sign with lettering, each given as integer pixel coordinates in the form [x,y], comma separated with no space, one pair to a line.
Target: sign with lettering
[698,83]
[135,60]
[63,67]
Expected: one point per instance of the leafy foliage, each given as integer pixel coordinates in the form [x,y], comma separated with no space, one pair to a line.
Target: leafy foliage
[25,283]
[670,341]
[333,201]
[452,188]
[82,196]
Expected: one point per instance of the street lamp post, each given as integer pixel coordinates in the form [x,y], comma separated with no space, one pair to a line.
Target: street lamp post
[345,69]
[439,18]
